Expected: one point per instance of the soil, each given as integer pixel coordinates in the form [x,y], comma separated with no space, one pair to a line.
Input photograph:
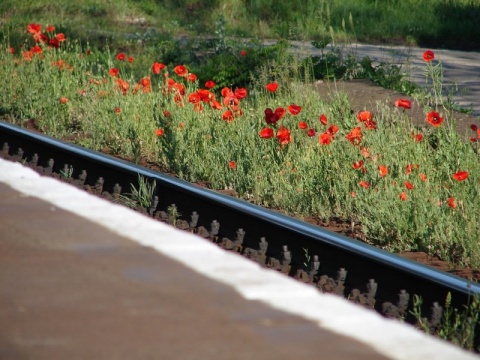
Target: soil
[365,95]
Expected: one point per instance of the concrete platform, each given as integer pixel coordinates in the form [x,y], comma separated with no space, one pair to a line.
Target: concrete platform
[81,278]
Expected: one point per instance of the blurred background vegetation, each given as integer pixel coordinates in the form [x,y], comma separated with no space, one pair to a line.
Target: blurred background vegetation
[449,24]
[208,35]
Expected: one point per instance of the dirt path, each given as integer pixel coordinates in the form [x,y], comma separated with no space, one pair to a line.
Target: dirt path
[461,69]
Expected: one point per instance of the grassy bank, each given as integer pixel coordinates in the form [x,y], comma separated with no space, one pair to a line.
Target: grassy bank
[275,142]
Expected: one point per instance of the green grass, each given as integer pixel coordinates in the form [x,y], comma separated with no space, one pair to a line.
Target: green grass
[428,23]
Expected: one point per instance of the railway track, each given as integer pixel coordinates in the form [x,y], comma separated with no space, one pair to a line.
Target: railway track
[329,261]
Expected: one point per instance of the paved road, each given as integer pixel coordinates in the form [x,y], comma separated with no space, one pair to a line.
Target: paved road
[461,69]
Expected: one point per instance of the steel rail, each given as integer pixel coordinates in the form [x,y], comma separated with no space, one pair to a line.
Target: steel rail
[363,262]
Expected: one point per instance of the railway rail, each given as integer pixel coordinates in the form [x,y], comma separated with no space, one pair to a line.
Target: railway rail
[329,261]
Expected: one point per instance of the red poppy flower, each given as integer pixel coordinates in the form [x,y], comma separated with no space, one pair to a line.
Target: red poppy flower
[423,177]
[60,37]
[452,202]
[357,164]
[159,132]
[210,84]
[240,93]
[50,28]
[157,67]
[243,53]
[36,49]
[121,56]
[403,196]
[145,81]
[11,50]
[404,103]
[232,164]
[383,170]
[193,98]
[355,136]
[40,37]
[364,184]
[311,132]
[280,112]
[54,43]
[192,77]
[130,59]
[216,105]
[145,88]
[460,175]
[294,109]
[180,70]
[302,125]
[434,118]
[230,100]
[325,138]
[409,185]
[270,116]
[283,135]
[34,28]
[205,95]
[113,72]
[333,130]
[226,91]
[364,116]
[474,127]
[167,113]
[117,110]
[123,85]
[323,119]
[428,56]
[63,100]
[170,82]
[266,133]
[228,116]
[272,87]
[180,88]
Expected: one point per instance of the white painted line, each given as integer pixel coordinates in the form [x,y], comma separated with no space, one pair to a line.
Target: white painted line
[389,337]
